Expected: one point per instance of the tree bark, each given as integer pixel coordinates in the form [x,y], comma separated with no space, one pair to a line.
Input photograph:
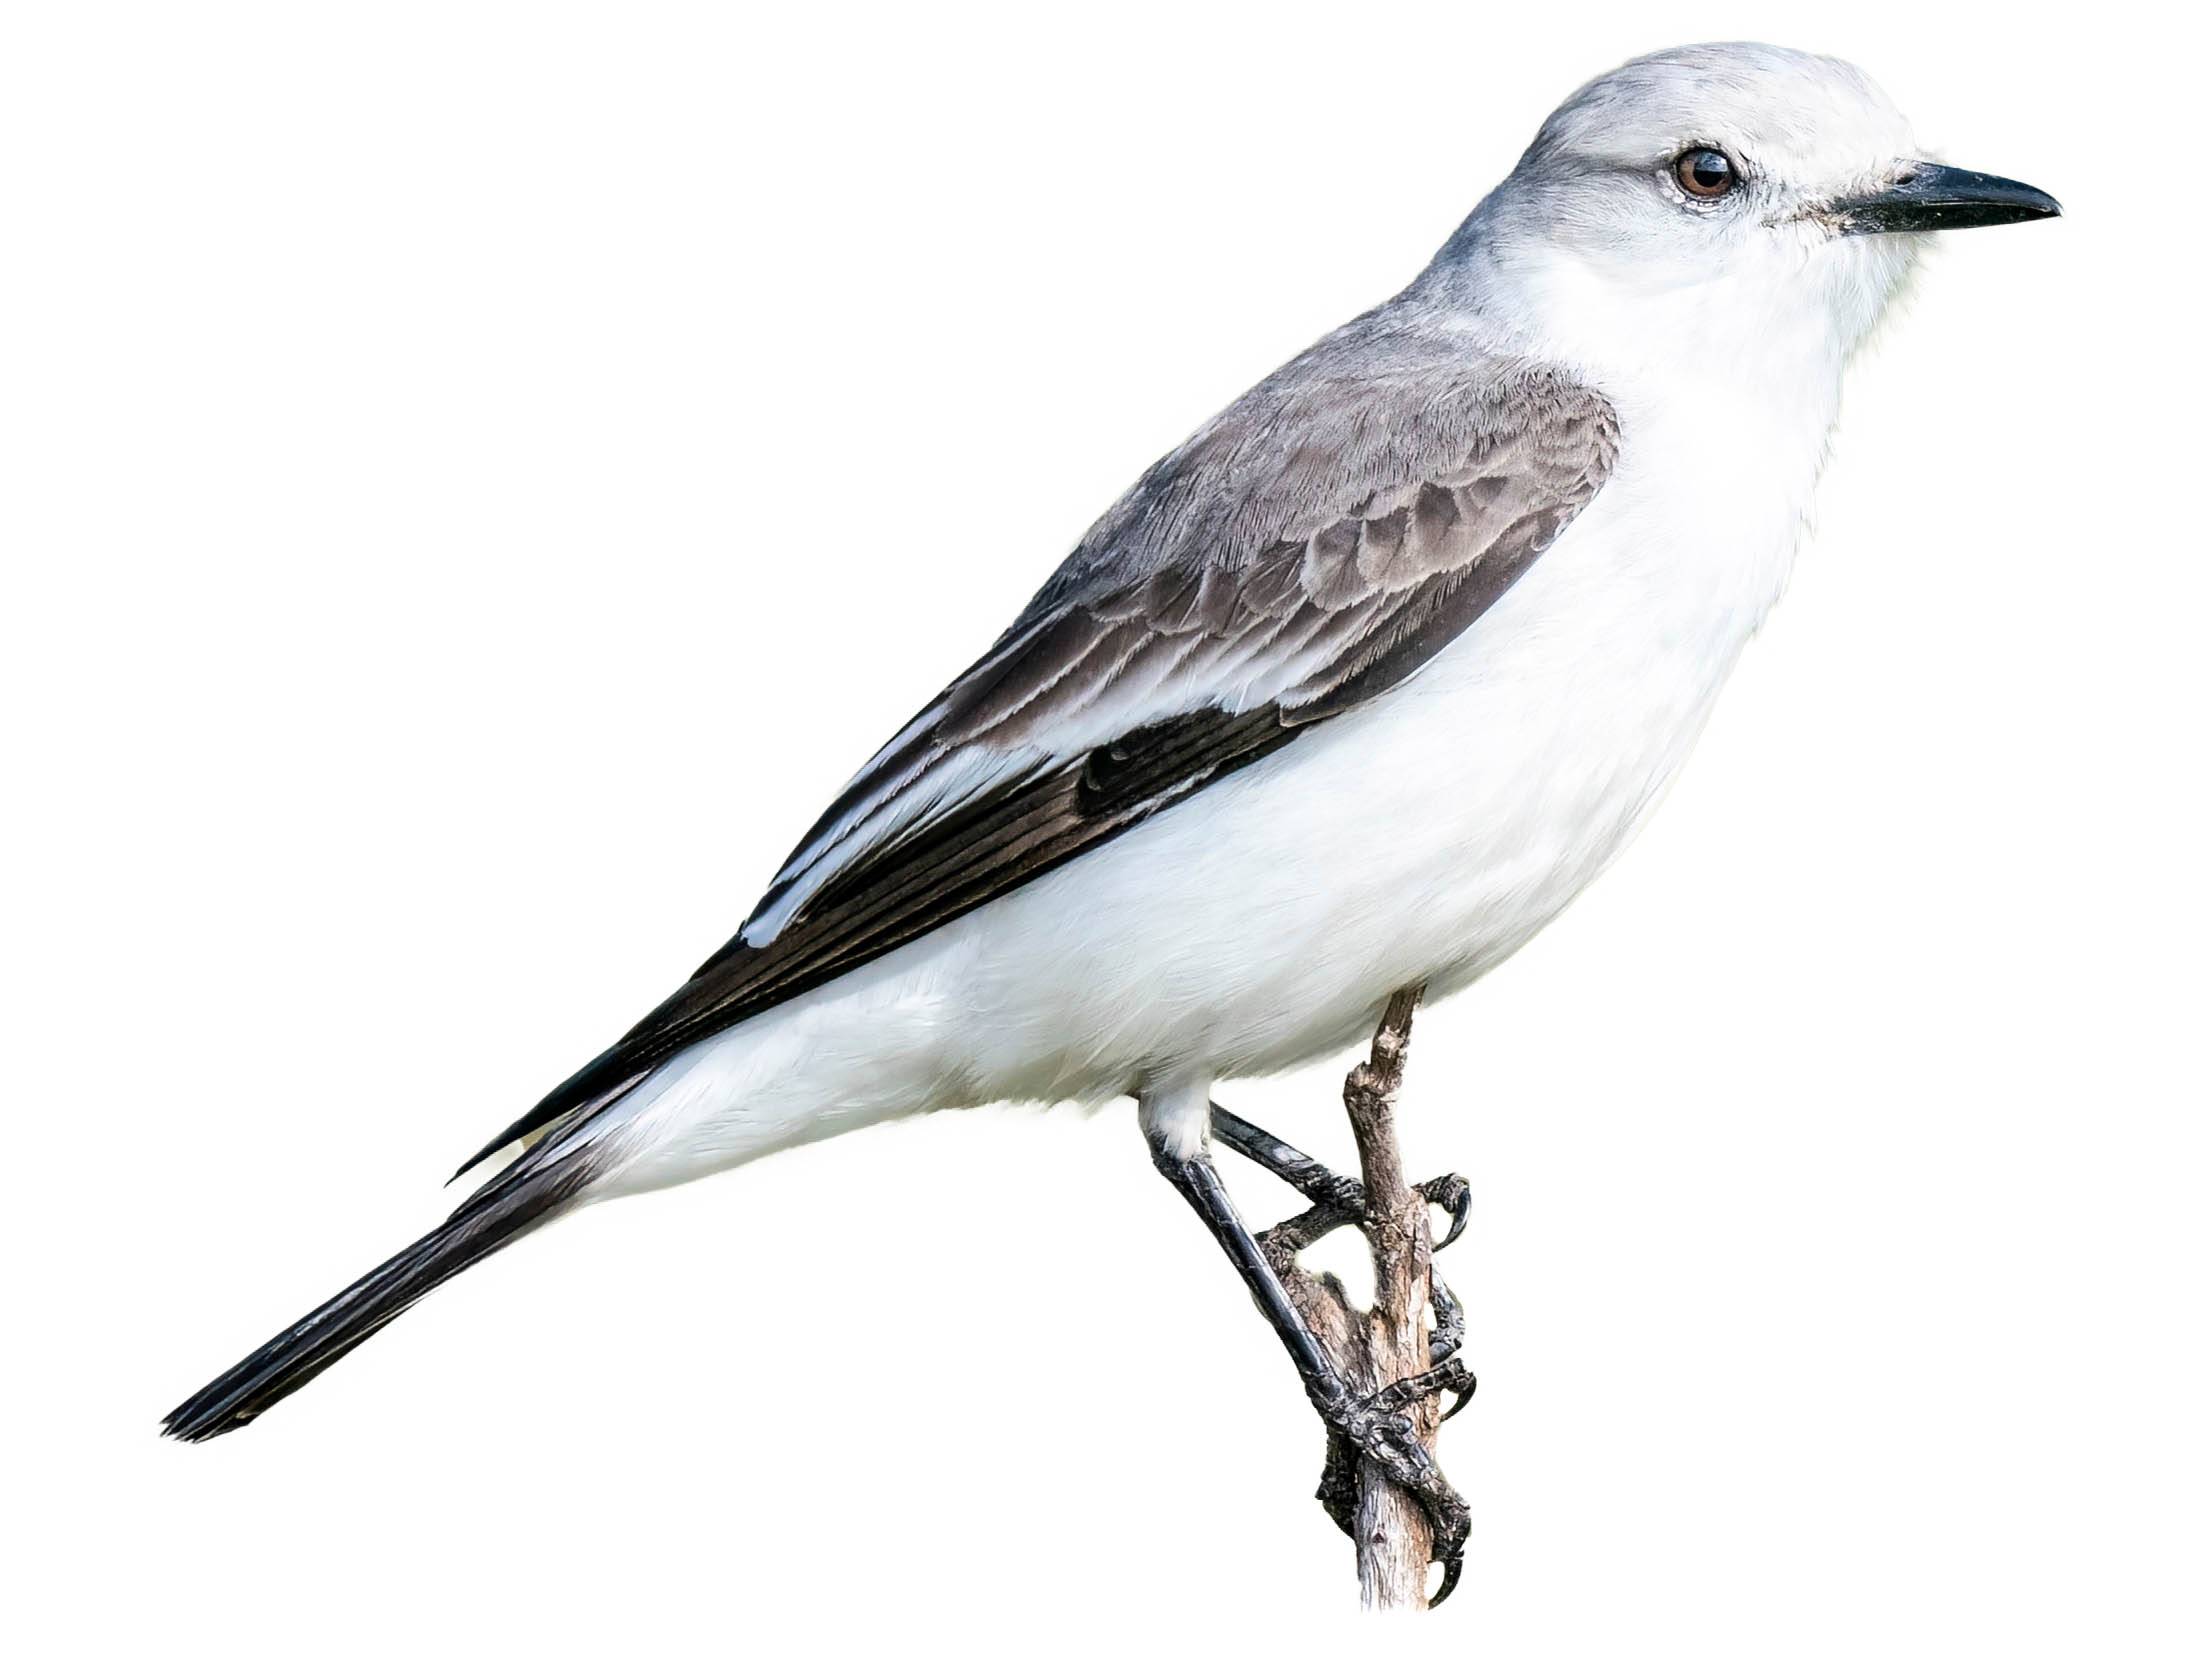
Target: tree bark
[1394,1543]
[1387,1342]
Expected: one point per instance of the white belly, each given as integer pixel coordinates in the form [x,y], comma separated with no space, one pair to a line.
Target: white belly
[1262,923]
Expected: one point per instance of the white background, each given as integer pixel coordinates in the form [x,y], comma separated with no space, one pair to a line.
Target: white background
[477,478]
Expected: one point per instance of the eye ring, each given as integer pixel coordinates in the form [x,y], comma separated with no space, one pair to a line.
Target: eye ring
[1705,173]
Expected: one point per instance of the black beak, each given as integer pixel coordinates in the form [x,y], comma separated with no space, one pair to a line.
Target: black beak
[1944,198]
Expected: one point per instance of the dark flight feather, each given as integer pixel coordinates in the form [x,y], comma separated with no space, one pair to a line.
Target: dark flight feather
[505,1210]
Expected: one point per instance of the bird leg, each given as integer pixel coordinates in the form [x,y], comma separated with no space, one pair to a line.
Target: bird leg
[1380,1429]
[1380,1483]
[1318,1183]
[1336,1198]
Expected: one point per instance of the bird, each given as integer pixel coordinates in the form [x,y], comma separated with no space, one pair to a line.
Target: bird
[1355,689]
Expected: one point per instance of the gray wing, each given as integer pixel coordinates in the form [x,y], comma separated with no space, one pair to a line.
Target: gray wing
[1311,548]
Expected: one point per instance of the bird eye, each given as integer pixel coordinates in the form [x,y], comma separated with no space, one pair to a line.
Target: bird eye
[1705,173]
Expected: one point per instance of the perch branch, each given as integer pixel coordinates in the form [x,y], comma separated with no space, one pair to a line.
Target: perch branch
[1394,1544]
[1389,1347]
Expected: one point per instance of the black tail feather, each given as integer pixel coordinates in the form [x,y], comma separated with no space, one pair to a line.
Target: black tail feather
[502,1212]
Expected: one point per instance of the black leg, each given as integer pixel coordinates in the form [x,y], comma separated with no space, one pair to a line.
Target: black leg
[1198,1181]
[1338,1200]
[1318,1183]
[1379,1428]
[1325,1188]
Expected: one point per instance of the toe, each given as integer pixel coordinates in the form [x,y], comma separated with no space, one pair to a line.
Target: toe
[1453,1196]
[1452,1570]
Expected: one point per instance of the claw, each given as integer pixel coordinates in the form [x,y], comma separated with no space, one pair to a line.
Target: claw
[1453,1196]
[1380,1430]
[1463,1395]
[1452,1571]
[1449,1539]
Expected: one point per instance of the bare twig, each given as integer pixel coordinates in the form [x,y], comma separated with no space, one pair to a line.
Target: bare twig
[1390,1341]
[1394,1543]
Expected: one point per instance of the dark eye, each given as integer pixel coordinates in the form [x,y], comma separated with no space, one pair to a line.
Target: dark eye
[1705,172]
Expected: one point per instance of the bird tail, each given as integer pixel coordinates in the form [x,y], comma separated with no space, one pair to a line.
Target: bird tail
[508,1208]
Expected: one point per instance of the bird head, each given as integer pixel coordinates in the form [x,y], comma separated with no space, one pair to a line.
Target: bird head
[1714,200]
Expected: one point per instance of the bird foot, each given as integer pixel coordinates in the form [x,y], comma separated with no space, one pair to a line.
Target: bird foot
[1336,1198]
[1453,1196]
[1382,1431]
